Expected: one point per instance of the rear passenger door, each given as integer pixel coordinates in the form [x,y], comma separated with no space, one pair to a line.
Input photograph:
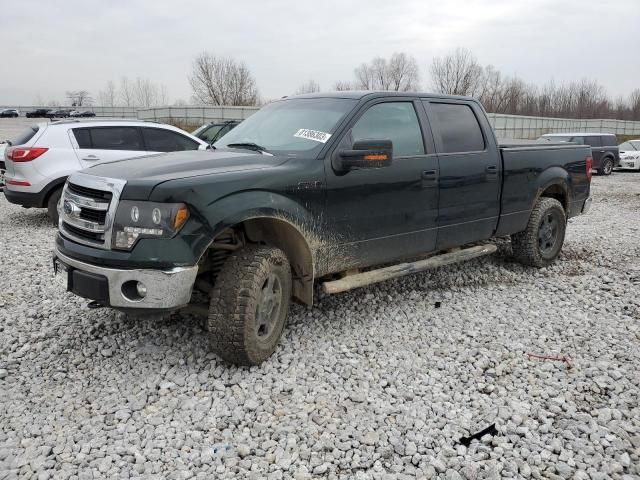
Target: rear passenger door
[470,168]
[96,145]
[163,140]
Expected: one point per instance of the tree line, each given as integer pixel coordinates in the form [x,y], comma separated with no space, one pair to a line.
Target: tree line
[225,81]
[220,80]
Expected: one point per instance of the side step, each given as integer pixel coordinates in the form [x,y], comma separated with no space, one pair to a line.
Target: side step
[374,276]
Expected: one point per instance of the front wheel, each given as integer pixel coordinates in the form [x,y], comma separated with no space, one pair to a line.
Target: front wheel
[607,167]
[249,305]
[540,243]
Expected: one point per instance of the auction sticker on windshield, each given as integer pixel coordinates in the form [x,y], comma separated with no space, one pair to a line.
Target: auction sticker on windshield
[314,135]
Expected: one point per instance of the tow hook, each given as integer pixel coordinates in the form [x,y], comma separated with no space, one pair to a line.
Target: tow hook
[94,304]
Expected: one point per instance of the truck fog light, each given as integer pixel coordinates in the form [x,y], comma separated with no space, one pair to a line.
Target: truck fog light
[134,291]
[141,289]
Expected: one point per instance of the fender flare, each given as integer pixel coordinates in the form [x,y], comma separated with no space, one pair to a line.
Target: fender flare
[275,220]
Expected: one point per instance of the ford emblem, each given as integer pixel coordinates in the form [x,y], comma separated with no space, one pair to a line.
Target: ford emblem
[70,208]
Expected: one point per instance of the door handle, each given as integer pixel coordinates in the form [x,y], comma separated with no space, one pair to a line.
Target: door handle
[601,151]
[491,169]
[90,158]
[429,178]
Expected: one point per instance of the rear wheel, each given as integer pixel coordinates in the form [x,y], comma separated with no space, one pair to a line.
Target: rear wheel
[52,205]
[540,243]
[607,167]
[249,305]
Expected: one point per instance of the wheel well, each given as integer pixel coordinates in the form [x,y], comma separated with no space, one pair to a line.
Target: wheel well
[559,192]
[52,187]
[281,234]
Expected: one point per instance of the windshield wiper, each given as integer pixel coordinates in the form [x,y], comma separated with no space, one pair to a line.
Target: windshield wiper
[247,145]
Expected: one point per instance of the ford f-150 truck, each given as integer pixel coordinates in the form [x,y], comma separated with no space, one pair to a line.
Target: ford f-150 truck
[320,187]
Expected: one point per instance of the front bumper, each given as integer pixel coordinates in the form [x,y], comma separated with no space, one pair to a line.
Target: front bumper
[633,164]
[166,289]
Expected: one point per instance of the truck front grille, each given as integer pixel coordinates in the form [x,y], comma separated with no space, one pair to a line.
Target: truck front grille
[89,192]
[87,209]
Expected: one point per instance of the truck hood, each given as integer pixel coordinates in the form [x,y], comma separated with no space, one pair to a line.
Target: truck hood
[144,173]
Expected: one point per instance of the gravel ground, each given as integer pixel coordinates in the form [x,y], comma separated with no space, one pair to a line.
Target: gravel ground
[379,383]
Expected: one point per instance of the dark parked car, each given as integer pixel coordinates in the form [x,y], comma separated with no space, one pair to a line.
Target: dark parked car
[214,131]
[58,113]
[9,113]
[40,113]
[87,113]
[604,148]
[306,189]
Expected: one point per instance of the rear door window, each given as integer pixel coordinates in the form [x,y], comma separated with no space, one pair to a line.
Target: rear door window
[395,121]
[24,136]
[457,128]
[116,138]
[609,140]
[161,140]
[83,137]
[593,141]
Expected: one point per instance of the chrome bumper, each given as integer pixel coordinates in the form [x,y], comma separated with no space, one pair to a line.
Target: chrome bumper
[587,205]
[166,289]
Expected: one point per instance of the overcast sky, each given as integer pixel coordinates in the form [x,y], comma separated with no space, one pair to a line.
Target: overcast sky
[48,47]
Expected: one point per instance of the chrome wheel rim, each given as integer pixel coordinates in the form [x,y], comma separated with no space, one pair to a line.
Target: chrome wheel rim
[548,233]
[268,308]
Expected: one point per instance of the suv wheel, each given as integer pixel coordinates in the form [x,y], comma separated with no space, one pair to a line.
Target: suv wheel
[540,243]
[607,167]
[249,305]
[52,205]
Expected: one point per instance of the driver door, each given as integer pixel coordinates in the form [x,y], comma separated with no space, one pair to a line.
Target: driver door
[379,215]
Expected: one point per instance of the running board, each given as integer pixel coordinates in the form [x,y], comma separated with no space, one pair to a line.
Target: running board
[374,276]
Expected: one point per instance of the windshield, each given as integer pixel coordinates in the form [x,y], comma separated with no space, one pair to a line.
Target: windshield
[24,136]
[293,126]
[629,146]
[208,133]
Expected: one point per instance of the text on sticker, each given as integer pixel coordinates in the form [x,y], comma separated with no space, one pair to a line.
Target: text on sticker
[315,135]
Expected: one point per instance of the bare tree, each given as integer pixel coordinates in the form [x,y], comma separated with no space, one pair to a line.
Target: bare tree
[309,87]
[456,74]
[145,93]
[399,73]
[78,98]
[108,97]
[126,92]
[222,81]
[403,73]
[341,86]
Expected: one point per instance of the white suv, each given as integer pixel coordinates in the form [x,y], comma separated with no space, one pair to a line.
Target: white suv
[39,160]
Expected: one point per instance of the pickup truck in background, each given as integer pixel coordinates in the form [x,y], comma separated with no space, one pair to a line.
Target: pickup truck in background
[308,189]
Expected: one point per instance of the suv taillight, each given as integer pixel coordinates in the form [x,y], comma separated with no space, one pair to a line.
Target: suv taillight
[20,154]
[589,166]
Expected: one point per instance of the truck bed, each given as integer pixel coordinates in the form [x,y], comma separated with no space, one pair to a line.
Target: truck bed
[529,167]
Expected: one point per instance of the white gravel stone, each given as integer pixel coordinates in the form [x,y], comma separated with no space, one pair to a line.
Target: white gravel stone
[375,383]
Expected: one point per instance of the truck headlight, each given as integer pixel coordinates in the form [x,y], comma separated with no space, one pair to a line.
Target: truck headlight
[136,220]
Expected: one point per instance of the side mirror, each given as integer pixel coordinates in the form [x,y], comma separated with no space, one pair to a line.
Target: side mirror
[365,154]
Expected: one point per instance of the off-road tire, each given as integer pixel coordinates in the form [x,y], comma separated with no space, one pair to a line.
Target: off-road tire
[52,205]
[238,292]
[526,245]
[607,167]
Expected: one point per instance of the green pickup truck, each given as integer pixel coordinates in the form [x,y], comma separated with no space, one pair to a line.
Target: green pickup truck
[315,188]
